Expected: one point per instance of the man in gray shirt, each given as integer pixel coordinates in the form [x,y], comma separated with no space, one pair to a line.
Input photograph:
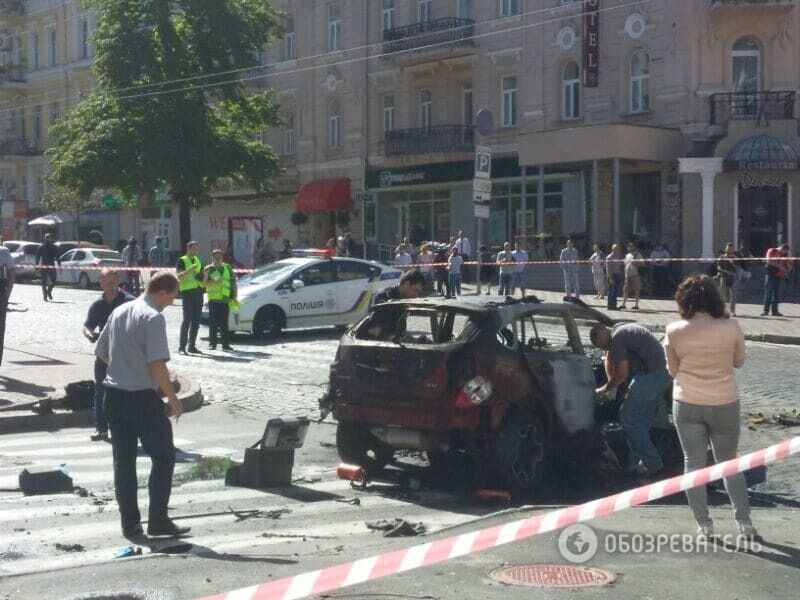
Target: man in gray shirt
[134,345]
[635,356]
[7,272]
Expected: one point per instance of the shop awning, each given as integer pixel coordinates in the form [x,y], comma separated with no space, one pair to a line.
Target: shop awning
[600,142]
[324,194]
[51,220]
[763,153]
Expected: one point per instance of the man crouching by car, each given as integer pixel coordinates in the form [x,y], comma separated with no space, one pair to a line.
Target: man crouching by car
[410,287]
[635,356]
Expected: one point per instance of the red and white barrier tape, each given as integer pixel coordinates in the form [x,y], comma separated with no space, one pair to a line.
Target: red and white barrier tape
[430,553]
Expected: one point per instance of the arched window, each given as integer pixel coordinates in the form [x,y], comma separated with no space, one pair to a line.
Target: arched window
[571,91]
[640,82]
[334,126]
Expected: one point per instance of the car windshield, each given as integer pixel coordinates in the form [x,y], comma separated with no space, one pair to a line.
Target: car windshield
[106,254]
[12,246]
[268,274]
[403,325]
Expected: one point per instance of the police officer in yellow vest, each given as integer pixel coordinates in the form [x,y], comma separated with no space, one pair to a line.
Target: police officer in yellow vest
[220,284]
[190,276]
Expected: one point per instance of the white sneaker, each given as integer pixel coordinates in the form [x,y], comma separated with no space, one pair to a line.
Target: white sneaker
[705,532]
[747,530]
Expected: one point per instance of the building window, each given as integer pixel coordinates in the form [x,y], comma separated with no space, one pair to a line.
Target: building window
[640,82]
[425,103]
[288,136]
[54,109]
[424,10]
[388,15]
[334,126]
[21,124]
[509,8]
[289,51]
[468,115]
[83,49]
[334,28]
[34,50]
[571,91]
[464,9]
[746,57]
[37,124]
[388,113]
[509,100]
[51,47]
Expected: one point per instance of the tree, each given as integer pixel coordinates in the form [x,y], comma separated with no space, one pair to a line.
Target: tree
[166,110]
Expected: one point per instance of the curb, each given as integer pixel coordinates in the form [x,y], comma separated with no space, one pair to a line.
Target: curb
[64,419]
[771,338]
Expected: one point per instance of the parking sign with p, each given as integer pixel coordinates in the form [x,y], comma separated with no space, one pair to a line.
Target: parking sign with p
[483,162]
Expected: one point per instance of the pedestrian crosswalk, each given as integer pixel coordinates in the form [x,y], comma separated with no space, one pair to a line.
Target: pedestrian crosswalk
[38,531]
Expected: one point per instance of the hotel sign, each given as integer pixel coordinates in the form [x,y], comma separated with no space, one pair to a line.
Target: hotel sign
[591,43]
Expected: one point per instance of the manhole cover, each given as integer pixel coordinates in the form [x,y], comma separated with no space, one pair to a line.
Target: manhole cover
[553,576]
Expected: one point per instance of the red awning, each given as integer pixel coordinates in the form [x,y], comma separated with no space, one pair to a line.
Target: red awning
[324,194]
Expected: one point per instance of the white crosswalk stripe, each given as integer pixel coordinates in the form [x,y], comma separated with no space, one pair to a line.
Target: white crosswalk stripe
[32,525]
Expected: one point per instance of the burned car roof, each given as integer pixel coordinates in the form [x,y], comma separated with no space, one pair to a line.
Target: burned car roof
[506,308]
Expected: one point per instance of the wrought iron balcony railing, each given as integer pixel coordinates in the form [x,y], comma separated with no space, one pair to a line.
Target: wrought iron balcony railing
[21,148]
[12,74]
[752,106]
[438,33]
[751,3]
[429,140]
[14,7]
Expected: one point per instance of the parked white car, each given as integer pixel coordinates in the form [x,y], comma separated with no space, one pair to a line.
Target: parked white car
[24,255]
[305,292]
[80,258]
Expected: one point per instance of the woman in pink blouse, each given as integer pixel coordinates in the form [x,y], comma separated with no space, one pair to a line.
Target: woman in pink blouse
[702,351]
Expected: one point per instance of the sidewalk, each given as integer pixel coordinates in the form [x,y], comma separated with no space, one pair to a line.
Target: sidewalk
[657,314]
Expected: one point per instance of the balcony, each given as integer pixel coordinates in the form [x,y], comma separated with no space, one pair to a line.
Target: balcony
[752,106]
[429,140]
[715,4]
[13,7]
[12,73]
[437,33]
[21,148]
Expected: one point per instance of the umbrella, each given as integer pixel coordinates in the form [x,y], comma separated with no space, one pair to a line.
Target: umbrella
[50,220]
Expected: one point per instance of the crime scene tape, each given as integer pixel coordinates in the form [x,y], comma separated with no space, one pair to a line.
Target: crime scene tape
[430,553]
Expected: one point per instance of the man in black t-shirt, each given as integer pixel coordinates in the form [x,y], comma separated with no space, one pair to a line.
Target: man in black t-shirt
[47,255]
[99,312]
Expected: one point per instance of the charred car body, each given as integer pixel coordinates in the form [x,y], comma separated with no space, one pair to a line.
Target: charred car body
[508,385]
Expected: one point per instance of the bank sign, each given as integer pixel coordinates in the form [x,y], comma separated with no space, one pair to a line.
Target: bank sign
[422,175]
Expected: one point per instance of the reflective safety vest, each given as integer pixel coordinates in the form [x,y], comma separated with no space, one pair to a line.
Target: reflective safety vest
[187,284]
[219,284]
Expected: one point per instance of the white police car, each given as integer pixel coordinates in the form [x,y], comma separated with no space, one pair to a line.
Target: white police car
[304,292]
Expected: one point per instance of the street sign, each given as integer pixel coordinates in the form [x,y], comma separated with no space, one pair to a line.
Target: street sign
[483,162]
[482,185]
[481,211]
[484,121]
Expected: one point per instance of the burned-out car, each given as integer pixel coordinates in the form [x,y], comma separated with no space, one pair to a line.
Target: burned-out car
[508,384]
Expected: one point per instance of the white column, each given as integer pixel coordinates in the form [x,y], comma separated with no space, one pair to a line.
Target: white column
[735,217]
[789,219]
[617,232]
[708,213]
[540,201]
[595,201]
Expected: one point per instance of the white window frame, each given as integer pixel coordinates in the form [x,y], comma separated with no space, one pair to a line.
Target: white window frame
[509,99]
[84,33]
[570,88]
[35,51]
[334,126]
[425,109]
[509,8]
[288,136]
[639,89]
[757,53]
[334,27]
[424,10]
[52,46]
[388,113]
[388,14]
[289,38]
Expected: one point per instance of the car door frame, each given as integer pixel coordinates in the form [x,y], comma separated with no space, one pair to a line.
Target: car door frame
[285,290]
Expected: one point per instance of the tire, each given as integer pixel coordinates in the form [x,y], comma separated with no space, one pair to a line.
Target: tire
[83,281]
[268,323]
[518,452]
[357,446]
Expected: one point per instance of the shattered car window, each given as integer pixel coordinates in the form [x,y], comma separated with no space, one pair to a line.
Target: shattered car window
[544,332]
[402,325]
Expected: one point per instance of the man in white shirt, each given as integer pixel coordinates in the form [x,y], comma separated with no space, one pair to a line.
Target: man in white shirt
[569,265]
[402,258]
[633,282]
[464,248]
[521,258]
[505,259]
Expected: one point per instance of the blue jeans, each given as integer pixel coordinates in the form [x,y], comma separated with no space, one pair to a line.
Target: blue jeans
[100,422]
[506,287]
[772,293]
[518,281]
[644,393]
[614,287]
[455,284]
[572,284]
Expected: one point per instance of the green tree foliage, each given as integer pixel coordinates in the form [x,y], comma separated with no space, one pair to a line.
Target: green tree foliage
[179,130]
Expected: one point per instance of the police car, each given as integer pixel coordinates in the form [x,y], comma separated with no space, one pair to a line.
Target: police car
[308,291]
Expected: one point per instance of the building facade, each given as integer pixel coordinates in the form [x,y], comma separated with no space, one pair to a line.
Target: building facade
[656,121]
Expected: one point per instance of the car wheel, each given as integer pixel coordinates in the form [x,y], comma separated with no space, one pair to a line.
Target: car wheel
[358,446]
[518,452]
[669,448]
[268,323]
[83,281]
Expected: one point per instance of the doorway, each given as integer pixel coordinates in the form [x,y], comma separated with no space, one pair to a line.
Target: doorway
[763,216]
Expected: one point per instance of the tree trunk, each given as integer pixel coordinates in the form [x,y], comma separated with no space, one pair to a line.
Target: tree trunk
[184,220]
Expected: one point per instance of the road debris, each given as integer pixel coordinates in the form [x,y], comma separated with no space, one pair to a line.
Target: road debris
[70,547]
[397,527]
[350,501]
[127,551]
[242,515]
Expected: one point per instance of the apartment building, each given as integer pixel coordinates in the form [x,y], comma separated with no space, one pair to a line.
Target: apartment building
[655,120]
